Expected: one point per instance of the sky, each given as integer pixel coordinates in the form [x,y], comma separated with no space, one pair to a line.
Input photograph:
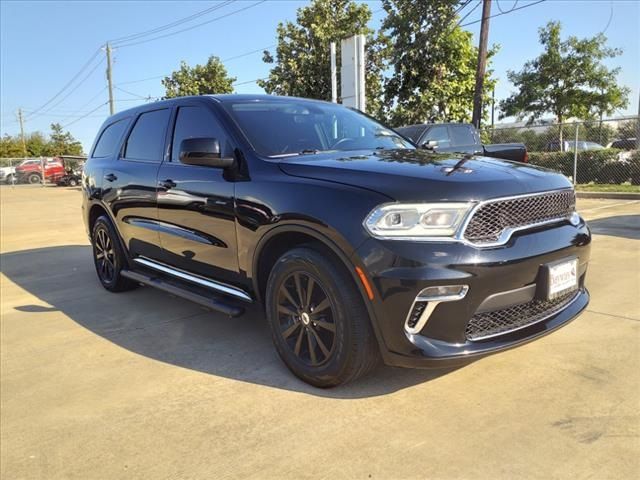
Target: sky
[44,44]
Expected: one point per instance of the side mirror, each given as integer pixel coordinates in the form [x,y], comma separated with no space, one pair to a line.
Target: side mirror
[204,152]
[430,145]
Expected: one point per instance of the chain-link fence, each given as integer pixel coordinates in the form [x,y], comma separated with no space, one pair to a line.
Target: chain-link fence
[598,152]
[64,170]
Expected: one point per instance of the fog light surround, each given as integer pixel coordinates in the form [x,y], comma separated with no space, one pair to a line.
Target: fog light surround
[426,302]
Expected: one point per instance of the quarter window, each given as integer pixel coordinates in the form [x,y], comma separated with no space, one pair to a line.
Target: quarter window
[110,139]
[146,140]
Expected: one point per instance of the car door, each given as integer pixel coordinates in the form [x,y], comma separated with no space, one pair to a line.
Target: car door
[196,203]
[130,183]
[440,135]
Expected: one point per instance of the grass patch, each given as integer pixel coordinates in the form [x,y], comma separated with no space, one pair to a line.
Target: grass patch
[597,187]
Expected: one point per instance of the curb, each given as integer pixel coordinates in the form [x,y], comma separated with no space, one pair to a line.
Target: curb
[609,195]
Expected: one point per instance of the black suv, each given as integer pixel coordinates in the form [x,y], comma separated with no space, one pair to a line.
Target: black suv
[358,245]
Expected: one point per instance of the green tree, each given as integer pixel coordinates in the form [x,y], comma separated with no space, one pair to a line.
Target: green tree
[434,63]
[209,78]
[302,63]
[37,145]
[10,147]
[61,143]
[567,80]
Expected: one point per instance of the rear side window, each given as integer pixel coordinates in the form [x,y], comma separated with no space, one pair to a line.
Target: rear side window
[440,134]
[110,139]
[196,122]
[462,135]
[146,140]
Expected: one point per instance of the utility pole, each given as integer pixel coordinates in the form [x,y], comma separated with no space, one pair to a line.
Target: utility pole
[482,63]
[109,81]
[24,144]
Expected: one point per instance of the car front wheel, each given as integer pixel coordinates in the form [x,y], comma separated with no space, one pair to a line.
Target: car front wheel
[319,323]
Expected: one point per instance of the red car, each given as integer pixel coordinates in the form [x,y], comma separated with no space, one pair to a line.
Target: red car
[30,171]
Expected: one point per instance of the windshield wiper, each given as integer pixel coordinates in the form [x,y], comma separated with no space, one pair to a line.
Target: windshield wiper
[309,151]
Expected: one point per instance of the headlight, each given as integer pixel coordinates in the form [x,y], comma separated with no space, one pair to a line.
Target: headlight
[417,219]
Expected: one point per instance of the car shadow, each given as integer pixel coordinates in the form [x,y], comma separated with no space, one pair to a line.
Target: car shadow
[172,330]
[625,226]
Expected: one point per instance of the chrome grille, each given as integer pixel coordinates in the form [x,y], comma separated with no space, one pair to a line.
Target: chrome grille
[491,219]
[498,322]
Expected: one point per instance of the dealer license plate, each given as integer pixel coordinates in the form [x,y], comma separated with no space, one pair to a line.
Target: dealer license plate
[563,278]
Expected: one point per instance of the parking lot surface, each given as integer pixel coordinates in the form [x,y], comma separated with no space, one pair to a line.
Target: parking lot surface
[143,385]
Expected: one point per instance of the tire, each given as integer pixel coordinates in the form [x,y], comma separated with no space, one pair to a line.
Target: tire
[333,315]
[34,178]
[73,182]
[108,256]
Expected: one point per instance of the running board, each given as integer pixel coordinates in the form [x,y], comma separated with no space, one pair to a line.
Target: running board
[156,282]
[198,280]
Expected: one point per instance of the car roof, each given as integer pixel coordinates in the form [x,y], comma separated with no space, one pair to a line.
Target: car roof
[220,98]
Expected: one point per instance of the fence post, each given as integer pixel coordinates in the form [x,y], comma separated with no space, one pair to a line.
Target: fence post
[42,170]
[575,157]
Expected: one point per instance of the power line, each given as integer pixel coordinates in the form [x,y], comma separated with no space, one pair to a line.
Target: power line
[131,93]
[258,50]
[469,12]
[84,116]
[70,91]
[608,21]
[192,26]
[135,36]
[82,69]
[248,81]
[224,60]
[499,14]
[515,4]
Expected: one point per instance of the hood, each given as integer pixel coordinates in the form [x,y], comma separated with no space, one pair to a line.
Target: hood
[419,175]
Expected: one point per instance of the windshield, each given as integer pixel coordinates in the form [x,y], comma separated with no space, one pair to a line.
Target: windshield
[279,129]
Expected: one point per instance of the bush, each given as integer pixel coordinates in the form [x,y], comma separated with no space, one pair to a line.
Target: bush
[598,166]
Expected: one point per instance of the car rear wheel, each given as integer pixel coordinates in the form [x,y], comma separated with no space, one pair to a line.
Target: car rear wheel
[108,257]
[73,182]
[319,323]
[34,178]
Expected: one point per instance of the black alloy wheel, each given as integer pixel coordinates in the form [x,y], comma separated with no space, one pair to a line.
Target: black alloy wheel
[105,255]
[306,318]
[109,257]
[319,322]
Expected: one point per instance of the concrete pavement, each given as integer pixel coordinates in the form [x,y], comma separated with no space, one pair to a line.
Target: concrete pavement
[143,385]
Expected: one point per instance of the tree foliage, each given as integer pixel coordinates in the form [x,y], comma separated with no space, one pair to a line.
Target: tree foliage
[58,143]
[434,63]
[568,79]
[302,63]
[209,78]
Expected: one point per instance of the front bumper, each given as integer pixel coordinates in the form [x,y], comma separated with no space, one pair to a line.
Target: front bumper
[399,270]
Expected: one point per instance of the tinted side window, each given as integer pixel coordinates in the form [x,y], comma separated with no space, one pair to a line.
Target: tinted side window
[462,135]
[110,139]
[146,140]
[197,122]
[440,134]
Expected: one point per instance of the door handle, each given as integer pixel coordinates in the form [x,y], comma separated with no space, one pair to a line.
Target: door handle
[110,178]
[168,183]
